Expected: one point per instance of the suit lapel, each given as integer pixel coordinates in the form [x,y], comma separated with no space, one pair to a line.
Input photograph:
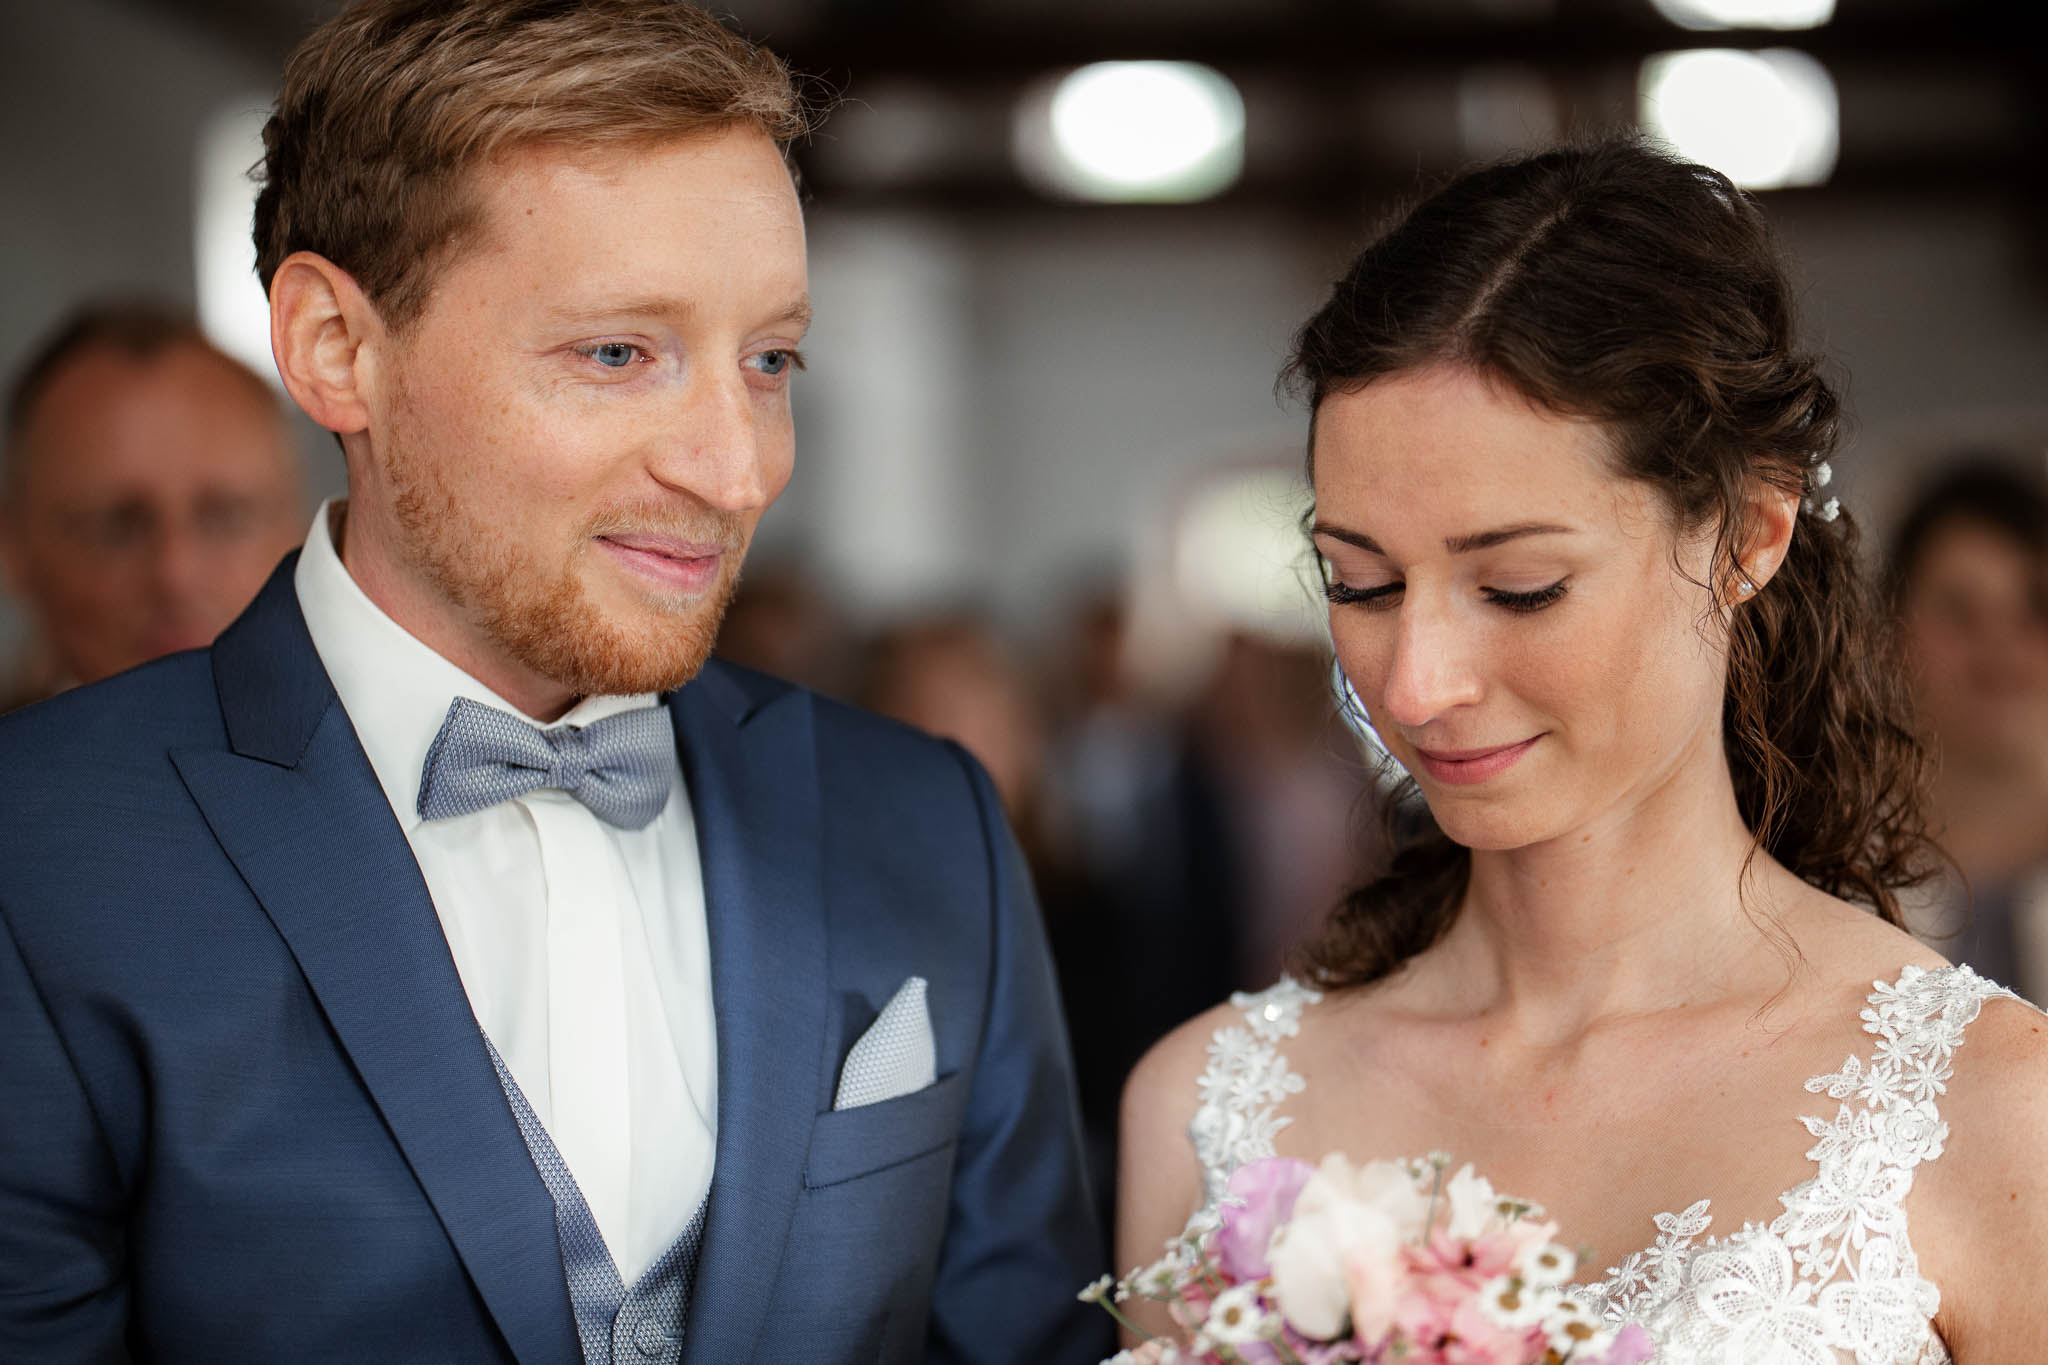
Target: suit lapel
[752,775]
[296,806]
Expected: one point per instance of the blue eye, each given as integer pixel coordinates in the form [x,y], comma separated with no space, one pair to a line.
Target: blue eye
[613,355]
[777,362]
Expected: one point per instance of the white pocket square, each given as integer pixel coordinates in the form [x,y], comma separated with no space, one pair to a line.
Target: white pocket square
[896,1056]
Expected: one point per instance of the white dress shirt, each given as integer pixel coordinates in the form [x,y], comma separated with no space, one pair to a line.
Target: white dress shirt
[582,946]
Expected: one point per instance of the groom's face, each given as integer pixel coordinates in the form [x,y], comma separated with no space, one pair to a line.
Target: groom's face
[581,430]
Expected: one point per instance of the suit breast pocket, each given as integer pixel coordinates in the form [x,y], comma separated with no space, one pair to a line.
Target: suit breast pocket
[849,1143]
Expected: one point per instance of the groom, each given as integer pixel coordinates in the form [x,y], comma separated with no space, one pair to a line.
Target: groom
[451,965]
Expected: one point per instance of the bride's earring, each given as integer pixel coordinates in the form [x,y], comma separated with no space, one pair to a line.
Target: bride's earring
[1351,710]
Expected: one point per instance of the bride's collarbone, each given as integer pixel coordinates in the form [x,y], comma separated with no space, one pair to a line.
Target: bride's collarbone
[1607,1131]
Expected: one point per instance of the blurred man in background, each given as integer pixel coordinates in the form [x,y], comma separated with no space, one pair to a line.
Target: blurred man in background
[149,488]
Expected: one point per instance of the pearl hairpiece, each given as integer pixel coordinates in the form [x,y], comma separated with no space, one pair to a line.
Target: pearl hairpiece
[1823,474]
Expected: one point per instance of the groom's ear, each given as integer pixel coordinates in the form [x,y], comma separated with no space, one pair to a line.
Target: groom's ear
[324,332]
[1770,515]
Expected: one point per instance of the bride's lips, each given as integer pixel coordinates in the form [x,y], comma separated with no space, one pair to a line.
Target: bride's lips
[680,566]
[1462,767]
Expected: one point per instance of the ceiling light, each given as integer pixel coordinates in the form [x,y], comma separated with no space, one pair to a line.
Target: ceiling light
[1763,119]
[1134,131]
[1717,14]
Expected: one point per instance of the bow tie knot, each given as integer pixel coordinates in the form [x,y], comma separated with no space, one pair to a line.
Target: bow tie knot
[620,767]
[571,761]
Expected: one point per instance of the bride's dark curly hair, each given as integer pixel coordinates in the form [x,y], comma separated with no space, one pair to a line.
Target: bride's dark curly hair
[1612,282]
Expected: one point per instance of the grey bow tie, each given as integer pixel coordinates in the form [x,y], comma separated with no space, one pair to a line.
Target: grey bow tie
[620,767]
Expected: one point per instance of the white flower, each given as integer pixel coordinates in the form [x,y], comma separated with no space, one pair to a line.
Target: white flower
[1155,1281]
[1546,1266]
[1473,1203]
[1570,1326]
[1345,1213]
[1386,1186]
[1595,1342]
[1236,1316]
[1513,1304]
[1096,1292]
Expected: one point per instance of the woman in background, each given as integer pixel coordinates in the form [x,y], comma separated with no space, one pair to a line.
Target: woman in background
[1588,585]
[1969,581]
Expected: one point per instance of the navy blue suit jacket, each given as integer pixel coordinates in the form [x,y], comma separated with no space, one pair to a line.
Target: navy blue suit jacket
[246,1114]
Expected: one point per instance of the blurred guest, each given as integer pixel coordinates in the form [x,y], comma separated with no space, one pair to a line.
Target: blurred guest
[1139,872]
[950,676]
[149,487]
[1292,783]
[1969,580]
[782,623]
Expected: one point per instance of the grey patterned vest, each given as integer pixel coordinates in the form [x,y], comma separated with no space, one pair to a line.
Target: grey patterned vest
[644,1327]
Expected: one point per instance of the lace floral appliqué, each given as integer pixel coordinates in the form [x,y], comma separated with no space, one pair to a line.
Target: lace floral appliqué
[1833,1277]
[1245,1082]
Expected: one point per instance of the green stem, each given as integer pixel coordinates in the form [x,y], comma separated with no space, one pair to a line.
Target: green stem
[1436,1189]
[1210,1274]
[1287,1355]
[1127,1324]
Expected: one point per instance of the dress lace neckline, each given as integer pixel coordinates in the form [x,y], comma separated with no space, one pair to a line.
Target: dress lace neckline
[1832,1279]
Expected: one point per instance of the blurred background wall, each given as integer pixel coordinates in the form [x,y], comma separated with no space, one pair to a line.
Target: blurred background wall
[1008,387]
[1046,494]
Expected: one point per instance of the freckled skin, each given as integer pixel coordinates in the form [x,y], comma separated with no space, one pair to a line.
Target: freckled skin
[1624,1012]
[1618,676]
[503,455]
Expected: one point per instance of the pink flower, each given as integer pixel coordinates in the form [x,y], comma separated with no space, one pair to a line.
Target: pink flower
[1477,1339]
[1348,1221]
[1632,1346]
[1191,1308]
[1260,1197]
[1438,1316]
[1474,1260]
[1373,1284]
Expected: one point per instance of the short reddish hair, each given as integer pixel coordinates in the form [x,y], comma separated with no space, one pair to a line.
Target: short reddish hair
[388,108]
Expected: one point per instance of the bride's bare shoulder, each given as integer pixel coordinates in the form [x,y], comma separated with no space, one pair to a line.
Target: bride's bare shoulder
[1159,1178]
[1980,1212]
[1161,1090]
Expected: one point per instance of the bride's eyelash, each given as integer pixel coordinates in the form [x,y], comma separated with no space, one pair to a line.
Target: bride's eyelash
[1342,596]
[1529,601]
[1382,596]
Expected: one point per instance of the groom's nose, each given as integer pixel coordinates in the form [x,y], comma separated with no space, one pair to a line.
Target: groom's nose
[722,446]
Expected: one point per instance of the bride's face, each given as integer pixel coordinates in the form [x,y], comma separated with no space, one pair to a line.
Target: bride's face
[1510,610]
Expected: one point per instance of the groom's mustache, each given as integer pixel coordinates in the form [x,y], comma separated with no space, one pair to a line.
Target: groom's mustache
[704,528]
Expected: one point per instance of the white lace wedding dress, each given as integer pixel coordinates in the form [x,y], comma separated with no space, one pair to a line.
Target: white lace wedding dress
[1831,1280]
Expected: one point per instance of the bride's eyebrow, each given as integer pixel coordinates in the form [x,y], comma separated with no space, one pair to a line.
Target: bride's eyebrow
[1485,540]
[1457,545]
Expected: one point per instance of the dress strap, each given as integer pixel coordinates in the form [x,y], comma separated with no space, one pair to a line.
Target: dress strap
[1834,1277]
[1887,1122]
[1245,1082]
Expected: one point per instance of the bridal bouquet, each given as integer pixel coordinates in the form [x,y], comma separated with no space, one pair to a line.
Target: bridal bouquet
[1389,1263]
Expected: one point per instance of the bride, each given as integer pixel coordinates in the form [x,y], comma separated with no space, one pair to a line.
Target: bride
[1638,959]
